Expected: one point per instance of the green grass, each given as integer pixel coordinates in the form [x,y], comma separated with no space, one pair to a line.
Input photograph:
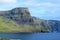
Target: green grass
[8,39]
[4,39]
[8,25]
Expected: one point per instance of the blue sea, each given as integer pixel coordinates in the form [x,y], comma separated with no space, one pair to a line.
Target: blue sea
[31,36]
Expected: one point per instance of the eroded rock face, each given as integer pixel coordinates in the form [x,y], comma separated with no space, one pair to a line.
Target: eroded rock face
[52,25]
[55,25]
[21,11]
[21,15]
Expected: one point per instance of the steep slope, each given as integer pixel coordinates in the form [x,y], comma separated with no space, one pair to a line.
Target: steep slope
[8,25]
[18,20]
[55,25]
[52,25]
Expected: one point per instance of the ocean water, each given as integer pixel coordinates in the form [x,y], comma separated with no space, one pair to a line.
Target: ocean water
[31,36]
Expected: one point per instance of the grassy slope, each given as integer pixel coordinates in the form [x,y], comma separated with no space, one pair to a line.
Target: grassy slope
[7,25]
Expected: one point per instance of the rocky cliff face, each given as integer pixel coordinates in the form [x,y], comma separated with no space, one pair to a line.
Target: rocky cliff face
[55,25]
[22,16]
[52,25]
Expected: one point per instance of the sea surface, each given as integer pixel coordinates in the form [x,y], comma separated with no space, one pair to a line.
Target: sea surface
[31,36]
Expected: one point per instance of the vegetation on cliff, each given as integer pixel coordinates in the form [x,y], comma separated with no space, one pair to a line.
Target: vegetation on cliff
[19,20]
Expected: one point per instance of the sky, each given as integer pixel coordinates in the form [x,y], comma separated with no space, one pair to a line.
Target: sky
[43,9]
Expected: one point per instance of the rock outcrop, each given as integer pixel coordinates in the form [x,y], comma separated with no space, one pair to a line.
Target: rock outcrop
[22,16]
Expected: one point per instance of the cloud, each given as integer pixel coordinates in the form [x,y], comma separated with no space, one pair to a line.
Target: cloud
[48,4]
[8,1]
[35,3]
